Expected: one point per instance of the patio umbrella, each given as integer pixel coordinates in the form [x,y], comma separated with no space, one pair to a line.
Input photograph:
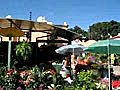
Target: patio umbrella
[89,42]
[76,49]
[73,48]
[106,47]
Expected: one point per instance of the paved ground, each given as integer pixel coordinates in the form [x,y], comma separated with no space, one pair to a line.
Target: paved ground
[116,70]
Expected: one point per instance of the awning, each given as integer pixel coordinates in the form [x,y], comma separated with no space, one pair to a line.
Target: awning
[34,26]
[24,24]
[67,34]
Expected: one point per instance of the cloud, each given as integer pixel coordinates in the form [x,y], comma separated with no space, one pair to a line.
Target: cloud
[42,19]
[8,16]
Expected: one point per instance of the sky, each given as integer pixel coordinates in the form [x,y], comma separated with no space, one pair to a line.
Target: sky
[82,13]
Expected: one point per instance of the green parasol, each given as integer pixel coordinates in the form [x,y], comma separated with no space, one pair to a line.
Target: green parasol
[106,47]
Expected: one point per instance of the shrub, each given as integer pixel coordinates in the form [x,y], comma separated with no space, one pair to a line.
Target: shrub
[86,80]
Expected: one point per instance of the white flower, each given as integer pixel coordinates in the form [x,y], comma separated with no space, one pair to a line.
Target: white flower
[52,85]
[68,80]
[49,87]
[50,76]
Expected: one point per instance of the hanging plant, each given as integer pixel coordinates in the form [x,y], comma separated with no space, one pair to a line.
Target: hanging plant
[24,50]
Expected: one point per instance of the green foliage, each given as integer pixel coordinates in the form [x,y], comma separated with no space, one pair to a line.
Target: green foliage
[8,79]
[30,79]
[103,30]
[80,31]
[45,78]
[99,30]
[37,76]
[24,50]
[86,80]
[2,74]
[58,81]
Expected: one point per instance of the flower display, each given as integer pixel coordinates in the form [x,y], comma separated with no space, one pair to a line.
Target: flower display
[116,84]
[36,78]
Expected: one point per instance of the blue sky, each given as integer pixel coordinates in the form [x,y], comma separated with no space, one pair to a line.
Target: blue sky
[82,13]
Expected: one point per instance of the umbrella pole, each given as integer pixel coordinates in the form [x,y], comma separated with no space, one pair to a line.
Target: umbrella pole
[9,53]
[109,71]
[73,51]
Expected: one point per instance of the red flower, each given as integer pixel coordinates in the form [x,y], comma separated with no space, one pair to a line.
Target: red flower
[115,84]
[9,72]
[68,75]
[52,71]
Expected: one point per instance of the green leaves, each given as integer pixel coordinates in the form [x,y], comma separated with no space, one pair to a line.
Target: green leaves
[103,30]
[80,31]
[24,50]
[85,80]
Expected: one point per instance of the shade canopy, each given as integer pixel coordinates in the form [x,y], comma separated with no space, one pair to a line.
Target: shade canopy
[87,43]
[105,46]
[11,32]
[24,24]
[34,26]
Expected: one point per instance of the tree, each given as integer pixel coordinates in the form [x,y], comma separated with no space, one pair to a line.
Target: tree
[80,31]
[103,30]
[77,30]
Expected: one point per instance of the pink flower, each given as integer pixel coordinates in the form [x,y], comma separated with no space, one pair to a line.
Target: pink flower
[19,88]
[22,74]
[26,83]
[20,81]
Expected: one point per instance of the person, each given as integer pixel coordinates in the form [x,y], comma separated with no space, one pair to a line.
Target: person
[80,61]
[73,61]
[66,63]
[65,70]
[73,64]
[81,64]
